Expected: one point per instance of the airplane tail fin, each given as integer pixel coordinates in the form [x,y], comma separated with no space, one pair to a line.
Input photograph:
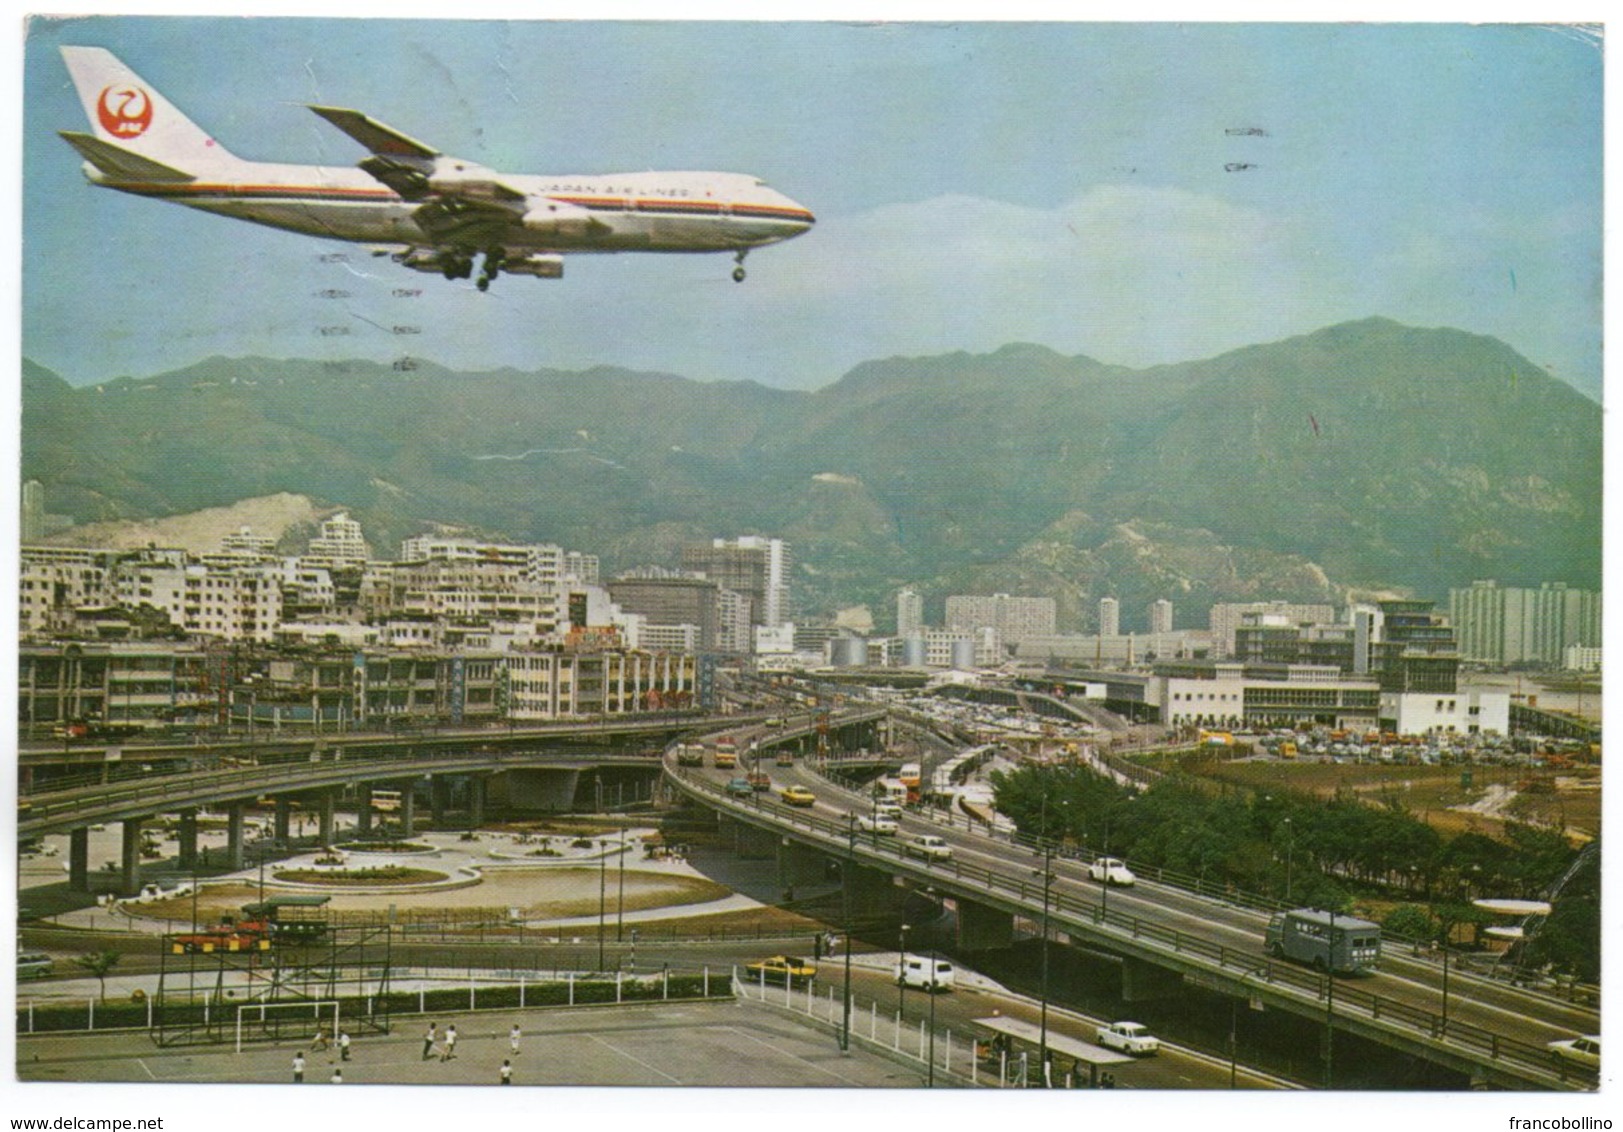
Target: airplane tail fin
[132,123]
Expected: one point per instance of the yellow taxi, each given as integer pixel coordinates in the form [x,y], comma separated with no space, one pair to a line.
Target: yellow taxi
[779,968]
[798,796]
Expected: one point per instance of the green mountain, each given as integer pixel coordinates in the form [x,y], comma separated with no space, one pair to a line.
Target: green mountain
[1368,455]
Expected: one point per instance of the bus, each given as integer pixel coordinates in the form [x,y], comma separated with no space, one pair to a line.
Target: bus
[386,801]
[726,752]
[689,754]
[910,776]
[1339,944]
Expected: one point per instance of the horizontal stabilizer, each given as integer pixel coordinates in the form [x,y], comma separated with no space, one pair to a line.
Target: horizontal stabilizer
[374,135]
[119,163]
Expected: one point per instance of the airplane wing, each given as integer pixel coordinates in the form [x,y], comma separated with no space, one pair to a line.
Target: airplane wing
[374,135]
[416,170]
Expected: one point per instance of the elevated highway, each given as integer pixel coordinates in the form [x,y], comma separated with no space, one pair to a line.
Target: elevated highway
[1167,937]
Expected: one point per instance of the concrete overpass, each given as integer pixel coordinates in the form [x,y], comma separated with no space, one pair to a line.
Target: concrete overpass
[1165,937]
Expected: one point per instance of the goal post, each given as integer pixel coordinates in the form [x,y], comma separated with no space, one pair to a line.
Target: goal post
[269,1017]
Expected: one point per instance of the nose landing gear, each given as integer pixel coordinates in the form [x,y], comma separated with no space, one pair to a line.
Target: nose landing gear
[738,272]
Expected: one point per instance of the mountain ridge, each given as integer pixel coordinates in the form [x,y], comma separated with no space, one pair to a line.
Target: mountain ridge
[1370,454]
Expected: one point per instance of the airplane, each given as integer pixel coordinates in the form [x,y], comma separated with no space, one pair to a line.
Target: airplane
[428,210]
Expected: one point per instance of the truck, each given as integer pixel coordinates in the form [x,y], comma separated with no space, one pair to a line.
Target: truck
[689,754]
[1339,944]
[288,919]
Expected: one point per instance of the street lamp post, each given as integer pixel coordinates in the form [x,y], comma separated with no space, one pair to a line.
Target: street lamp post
[847,876]
[602,899]
[929,1078]
[1330,1005]
[620,900]
[1290,850]
[1048,881]
[901,975]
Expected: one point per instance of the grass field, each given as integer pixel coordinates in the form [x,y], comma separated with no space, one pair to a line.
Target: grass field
[1432,792]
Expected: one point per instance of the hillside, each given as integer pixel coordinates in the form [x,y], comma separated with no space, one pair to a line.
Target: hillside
[1369,454]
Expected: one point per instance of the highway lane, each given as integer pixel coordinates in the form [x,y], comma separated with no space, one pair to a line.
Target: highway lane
[1490,1008]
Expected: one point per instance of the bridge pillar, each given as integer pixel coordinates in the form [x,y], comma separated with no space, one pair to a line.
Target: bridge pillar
[329,807]
[282,822]
[408,809]
[873,891]
[1142,982]
[982,928]
[476,800]
[79,859]
[752,844]
[233,836]
[363,807]
[536,789]
[800,864]
[129,877]
[436,800]
[187,836]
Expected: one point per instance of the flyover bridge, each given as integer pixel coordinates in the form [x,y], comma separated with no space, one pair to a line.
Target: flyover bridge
[1167,938]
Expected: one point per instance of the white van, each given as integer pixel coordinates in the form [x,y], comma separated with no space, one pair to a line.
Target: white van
[888,810]
[914,971]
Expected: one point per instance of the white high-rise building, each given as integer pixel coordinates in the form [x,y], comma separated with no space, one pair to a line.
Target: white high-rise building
[1014,618]
[1160,617]
[1109,617]
[340,544]
[751,565]
[909,614]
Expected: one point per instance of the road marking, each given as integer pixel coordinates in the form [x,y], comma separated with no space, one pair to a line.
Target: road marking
[638,1060]
[145,1070]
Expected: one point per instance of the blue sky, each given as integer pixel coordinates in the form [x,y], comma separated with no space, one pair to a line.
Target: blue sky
[975,184]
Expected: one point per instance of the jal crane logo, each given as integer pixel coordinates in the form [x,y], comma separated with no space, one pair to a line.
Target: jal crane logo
[125,111]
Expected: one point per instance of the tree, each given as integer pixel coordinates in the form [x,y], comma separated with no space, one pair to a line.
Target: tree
[100,964]
[1413,921]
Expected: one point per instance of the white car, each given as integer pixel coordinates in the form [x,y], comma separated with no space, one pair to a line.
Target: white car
[1128,1037]
[928,845]
[1112,870]
[1584,1051]
[877,823]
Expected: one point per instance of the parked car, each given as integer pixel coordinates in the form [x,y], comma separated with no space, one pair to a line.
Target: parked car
[781,968]
[928,845]
[1128,1037]
[876,823]
[798,796]
[740,787]
[1584,1051]
[1112,870]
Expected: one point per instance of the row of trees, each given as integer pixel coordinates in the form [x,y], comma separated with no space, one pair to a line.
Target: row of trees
[1299,849]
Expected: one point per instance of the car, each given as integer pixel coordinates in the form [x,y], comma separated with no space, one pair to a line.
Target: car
[1128,1037]
[798,796]
[759,781]
[916,971]
[740,788]
[877,823]
[888,810]
[1112,870]
[928,845]
[1584,1051]
[779,969]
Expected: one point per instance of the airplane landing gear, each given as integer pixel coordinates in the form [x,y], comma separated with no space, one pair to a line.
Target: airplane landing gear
[738,272]
[458,268]
[491,269]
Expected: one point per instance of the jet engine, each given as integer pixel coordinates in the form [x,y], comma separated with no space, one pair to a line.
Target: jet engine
[540,266]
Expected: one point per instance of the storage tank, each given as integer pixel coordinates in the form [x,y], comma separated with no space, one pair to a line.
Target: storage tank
[963,654]
[848,652]
[914,653]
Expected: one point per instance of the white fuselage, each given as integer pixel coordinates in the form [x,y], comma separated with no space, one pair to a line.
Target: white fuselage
[650,212]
